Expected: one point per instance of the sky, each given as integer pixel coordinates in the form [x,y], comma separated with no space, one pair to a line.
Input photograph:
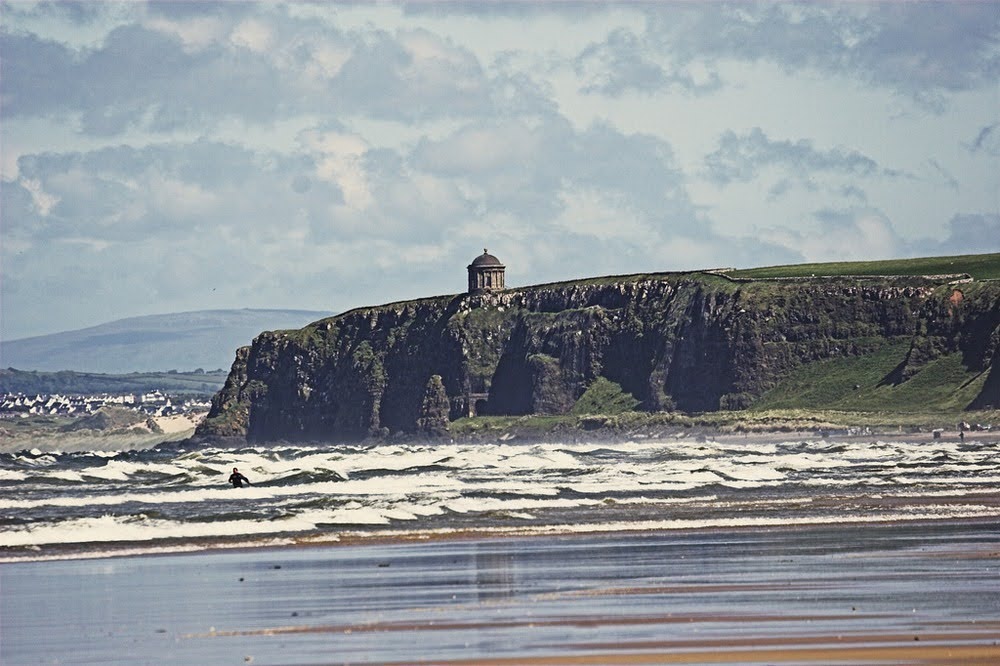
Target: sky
[170,156]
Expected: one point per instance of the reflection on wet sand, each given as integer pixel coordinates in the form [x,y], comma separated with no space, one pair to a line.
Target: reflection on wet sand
[914,593]
[494,574]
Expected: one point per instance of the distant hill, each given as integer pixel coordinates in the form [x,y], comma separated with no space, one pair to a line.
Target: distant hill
[68,382]
[205,339]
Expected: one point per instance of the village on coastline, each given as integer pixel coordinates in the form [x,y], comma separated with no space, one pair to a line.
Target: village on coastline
[151,404]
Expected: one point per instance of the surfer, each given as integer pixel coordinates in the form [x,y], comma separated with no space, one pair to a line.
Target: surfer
[238,479]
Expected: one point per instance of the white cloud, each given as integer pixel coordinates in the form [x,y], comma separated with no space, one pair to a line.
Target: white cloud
[343,154]
[195,33]
[601,215]
[339,161]
[436,67]
[685,253]
[176,199]
[252,34]
[428,49]
[742,157]
[327,60]
[89,245]
[841,236]
[967,233]
[44,202]
[480,149]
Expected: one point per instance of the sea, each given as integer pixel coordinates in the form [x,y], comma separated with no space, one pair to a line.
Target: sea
[175,497]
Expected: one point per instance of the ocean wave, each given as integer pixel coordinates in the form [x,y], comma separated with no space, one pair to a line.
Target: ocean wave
[176,492]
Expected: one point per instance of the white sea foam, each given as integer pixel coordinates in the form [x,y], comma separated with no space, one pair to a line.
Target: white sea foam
[122,470]
[400,485]
[109,529]
[64,475]
[468,505]
[953,480]
[37,459]
[310,490]
[927,513]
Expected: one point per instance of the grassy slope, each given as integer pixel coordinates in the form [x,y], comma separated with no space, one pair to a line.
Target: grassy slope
[979,266]
[858,384]
[631,424]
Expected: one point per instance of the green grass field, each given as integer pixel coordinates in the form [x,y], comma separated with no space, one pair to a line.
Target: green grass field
[653,424]
[859,384]
[979,266]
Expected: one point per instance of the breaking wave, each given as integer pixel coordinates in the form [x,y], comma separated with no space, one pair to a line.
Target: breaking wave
[177,496]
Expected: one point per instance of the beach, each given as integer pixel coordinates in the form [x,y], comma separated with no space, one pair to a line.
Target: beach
[923,592]
[721,549]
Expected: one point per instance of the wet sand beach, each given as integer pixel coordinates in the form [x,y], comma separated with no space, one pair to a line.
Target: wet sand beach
[920,592]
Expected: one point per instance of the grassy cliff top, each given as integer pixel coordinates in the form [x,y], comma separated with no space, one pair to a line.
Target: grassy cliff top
[978,266]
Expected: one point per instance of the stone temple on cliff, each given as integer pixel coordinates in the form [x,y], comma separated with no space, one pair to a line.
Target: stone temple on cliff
[485,274]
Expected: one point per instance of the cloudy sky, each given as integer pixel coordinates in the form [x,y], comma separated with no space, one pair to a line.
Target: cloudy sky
[161,157]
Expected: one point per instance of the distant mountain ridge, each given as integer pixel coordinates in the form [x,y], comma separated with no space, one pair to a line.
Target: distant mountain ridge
[205,339]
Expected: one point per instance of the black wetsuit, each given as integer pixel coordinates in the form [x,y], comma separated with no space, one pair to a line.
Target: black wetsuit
[238,480]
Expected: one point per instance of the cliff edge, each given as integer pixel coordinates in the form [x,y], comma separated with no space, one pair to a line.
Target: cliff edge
[691,342]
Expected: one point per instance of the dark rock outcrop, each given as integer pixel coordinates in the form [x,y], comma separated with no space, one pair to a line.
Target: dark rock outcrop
[692,342]
[436,409]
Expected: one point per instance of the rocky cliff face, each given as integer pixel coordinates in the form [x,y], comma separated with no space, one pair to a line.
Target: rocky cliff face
[690,342]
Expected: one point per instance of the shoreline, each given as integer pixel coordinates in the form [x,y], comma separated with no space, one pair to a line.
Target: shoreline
[753,651]
[752,427]
[531,434]
[393,537]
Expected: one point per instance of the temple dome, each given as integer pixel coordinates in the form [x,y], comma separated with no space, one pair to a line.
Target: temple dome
[485,259]
[486,273]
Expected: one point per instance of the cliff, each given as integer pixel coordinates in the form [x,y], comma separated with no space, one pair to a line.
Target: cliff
[691,342]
